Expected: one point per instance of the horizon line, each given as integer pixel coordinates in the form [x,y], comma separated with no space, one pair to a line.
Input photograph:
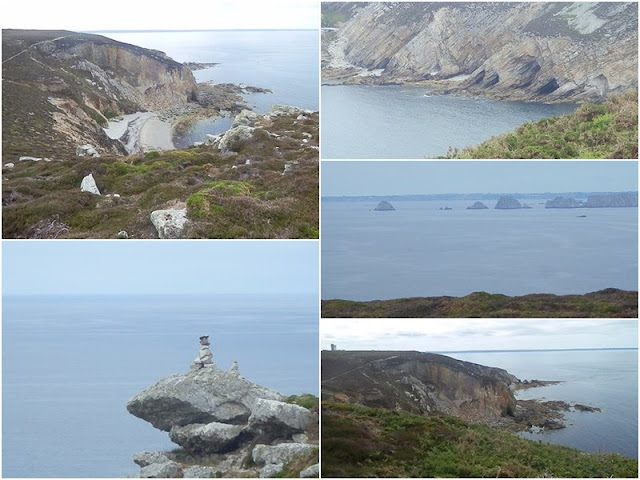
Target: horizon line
[474,193]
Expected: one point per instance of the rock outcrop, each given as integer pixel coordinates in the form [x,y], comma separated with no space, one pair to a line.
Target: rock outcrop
[88,185]
[169,223]
[477,206]
[548,51]
[384,206]
[508,203]
[220,419]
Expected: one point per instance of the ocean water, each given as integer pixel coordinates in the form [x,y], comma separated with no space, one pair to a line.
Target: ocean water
[607,379]
[284,61]
[422,251]
[401,122]
[69,365]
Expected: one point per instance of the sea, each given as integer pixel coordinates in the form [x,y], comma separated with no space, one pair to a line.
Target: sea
[283,61]
[69,365]
[422,250]
[607,379]
[391,121]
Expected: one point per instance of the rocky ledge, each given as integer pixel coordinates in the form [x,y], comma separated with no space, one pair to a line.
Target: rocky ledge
[226,426]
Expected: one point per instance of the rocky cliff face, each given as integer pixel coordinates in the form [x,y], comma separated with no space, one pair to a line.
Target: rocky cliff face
[418,382]
[531,50]
[65,86]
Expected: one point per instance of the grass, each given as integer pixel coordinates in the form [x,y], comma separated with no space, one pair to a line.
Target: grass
[606,303]
[305,400]
[225,196]
[365,442]
[607,130]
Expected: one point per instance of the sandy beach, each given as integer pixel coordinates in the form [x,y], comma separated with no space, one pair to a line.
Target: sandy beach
[141,132]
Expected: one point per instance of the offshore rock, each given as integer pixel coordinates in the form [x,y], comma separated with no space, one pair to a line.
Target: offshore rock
[508,203]
[477,206]
[200,396]
[613,200]
[562,202]
[384,206]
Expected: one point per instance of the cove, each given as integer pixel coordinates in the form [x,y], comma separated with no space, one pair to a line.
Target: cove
[394,122]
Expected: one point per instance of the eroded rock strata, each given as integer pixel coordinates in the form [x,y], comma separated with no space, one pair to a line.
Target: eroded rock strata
[543,51]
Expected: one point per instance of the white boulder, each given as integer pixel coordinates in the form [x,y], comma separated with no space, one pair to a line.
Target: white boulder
[169,223]
[89,185]
[87,151]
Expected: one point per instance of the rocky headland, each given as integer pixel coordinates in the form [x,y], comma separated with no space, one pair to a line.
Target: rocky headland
[432,384]
[550,52]
[226,426]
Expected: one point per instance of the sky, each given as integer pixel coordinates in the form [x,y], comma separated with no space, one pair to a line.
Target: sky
[439,335]
[153,15]
[88,267]
[340,178]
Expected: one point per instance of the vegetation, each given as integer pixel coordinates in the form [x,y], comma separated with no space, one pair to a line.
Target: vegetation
[606,303]
[365,442]
[607,130]
[243,196]
[305,400]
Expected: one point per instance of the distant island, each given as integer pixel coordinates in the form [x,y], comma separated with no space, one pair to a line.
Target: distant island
[384,206]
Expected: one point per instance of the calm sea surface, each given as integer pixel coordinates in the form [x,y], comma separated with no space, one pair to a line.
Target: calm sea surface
[422,251]
[607,379]
[284,61]
[69,365]
[401,122]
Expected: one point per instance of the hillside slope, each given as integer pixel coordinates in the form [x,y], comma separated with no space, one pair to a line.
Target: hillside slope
[540,51]
[61,87]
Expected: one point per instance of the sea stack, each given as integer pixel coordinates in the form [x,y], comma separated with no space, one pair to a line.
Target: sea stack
[508,203]
[477,206]
[384,206]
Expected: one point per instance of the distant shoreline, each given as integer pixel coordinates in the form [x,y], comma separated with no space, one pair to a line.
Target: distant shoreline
[607,303]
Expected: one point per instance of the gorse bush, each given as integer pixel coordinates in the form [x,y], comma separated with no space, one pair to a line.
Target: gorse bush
[608,130]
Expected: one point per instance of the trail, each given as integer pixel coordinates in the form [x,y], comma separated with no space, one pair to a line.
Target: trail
[358,368]
[36,44]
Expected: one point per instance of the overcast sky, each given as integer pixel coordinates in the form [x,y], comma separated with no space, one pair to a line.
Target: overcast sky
[429,177]
[430,335]
[159,267]
[153,15]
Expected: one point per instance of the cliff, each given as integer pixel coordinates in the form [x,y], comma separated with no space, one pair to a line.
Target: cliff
[61,87]
[541,51]
[417,382]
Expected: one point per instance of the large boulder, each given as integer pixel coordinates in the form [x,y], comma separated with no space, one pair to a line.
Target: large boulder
[281,453]
[278,419]
[213,437]
[169,223]
[245,117]
[89,185]
[168,469]
[199,471]
[200,396]
[235,138]
[144,459]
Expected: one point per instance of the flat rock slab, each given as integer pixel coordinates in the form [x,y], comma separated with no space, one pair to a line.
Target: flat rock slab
[278,419]
[282,453]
